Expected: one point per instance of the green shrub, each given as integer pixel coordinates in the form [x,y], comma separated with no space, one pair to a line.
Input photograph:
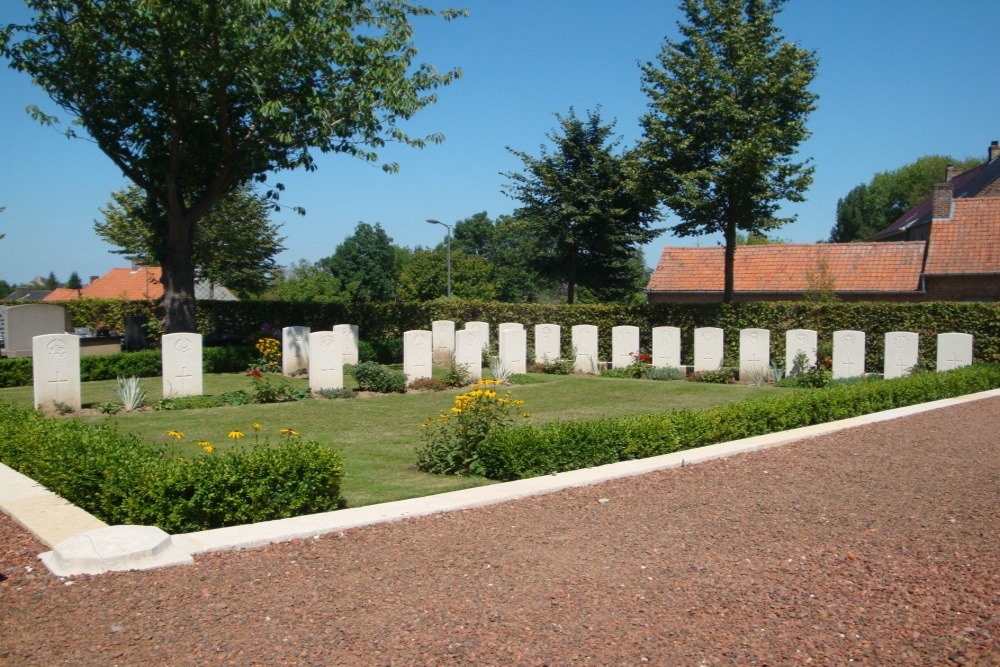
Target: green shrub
[343,392]
[457,375]
[381,351]
[15,372]
[557,367]
[428,384]
[721,376]
[122,480]
[231,359]
[558,446]
[664,373]
[371,376]
[270,388]
[236,397]
[144,364]
[188,403]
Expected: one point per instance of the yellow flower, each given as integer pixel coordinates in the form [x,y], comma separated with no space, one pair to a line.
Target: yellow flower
[208,447]
[525,414]
[203,443]
[175,434]
[235,435]
[257,426]
[288,432]
[457,410]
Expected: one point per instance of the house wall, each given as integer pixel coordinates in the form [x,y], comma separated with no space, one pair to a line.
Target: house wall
[963,288]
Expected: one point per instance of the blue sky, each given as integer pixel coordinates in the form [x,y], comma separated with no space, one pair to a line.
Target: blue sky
[897,79]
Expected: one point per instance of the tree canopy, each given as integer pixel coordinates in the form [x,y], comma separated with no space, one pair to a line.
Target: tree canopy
[192,100]
[869,208]
[365,264]
[234,246]
[584,205]
[424,278]
[728,109]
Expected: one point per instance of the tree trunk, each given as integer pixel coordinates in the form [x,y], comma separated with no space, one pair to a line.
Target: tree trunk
[730,235]
[178,275]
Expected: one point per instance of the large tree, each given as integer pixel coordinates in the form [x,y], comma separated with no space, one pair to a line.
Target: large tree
[584,205]
[192,100]
[234,244]
[511,250]
[424,278]
[870,207]
[728,108]
[365,264]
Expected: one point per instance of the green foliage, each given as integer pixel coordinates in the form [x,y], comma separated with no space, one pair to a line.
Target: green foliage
[382,351]
[557,367]
[130,393]
[527,451]
[456,375]
[665,373]
[122,480]
[869,208]
[365,265]
[371,376]
[585,208]
[343,392]
[728,109]
[721,376]
[15,372]
[270,388]
[428,384]
[309,283]
[190,402]
[452,439]
[425,276]
[74,282]
[237,397]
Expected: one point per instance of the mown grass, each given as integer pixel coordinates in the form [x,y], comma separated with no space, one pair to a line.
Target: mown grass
[377,435]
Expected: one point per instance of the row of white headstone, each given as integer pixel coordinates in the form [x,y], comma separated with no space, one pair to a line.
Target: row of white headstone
[443,345]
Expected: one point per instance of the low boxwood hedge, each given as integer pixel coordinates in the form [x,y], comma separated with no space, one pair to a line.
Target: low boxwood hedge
[121,480]
[530,451]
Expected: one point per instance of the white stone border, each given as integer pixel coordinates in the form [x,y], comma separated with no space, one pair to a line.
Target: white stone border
[55,521]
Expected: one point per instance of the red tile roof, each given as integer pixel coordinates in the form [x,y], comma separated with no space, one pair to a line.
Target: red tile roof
[138,284]
[969,242]
[854,267]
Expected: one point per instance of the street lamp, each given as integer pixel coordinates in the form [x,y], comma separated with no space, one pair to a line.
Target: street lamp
[448,238]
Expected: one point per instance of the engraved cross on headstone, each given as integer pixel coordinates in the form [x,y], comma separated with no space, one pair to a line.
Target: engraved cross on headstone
[57,382]
[183,378]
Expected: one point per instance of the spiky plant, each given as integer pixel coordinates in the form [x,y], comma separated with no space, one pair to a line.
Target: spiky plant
[130,393]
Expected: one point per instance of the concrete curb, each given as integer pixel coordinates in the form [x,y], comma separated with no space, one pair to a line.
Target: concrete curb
[55,521]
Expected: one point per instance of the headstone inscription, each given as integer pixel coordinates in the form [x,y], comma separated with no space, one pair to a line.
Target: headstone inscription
[900,353]
[707,349]
[348,334]
[294,349]
[954,350]
[443,334]
[56,370]
[624,346]
[513,347]
[667,347]
[584,338]
[804,341]
[547,342]
[326,360]
[469,353]
[182,365]
[24,322]
[755,350]
[417,354]
[848,354]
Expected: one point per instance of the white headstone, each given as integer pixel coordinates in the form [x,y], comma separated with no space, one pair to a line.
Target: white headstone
[482,329]
[708,349]
[805,341]
[547,342]
[294,349]
[469,353]
[667,347]
[954,350]
[348,334]
[326,360]
[443,334]
[900,353]
[848,354]
[56,370]
[755,350]
[181,359]
[22,323]
[504,326]
[507,326]
[513,348]
[624,346]
[417,354]
[584,337]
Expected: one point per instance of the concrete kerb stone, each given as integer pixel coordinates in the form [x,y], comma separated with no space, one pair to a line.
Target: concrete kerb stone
[314,525]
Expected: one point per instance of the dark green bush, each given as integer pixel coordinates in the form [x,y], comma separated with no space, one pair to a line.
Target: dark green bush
[381,351]
[371,376]
[721,376]
[558,446]
[188,403]
[15,372]
[557,367]
[143,364]
[664,373]
[122,480]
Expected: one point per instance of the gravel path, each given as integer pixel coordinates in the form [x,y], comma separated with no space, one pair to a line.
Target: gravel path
[877,545]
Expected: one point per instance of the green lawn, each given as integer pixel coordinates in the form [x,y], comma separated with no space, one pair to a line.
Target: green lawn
[377,435]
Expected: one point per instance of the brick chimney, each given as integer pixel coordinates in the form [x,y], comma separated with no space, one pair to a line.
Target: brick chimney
[941,205]
[994,151]
[951,172]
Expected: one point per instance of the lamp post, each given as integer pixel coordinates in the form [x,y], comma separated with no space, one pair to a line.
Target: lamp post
[448,238]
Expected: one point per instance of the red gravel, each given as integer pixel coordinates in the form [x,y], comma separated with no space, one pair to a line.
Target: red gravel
[877,545]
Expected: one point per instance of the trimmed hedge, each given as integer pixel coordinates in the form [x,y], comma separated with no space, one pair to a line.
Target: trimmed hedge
[144,363]
[121,480]
[528,451]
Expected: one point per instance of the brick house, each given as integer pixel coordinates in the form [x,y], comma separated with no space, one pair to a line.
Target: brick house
[946,248]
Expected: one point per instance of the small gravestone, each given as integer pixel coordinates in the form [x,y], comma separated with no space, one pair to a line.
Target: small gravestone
[326,360]
[707,349]
[804,341]
[667,347]
[469,353]
[507,326]
[482,330]
[417,354]
[504,326]
[348,334]
[900,353]
[584,337]
[443,334]
[954,350]
[56,370]
[624,346]
[135,333]
[294,349]
[755,351]
[513,347]
[848,354]
[23,323]
[182,367]
[547,342]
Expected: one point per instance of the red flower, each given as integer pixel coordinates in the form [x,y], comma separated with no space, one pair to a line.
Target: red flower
[255,374]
